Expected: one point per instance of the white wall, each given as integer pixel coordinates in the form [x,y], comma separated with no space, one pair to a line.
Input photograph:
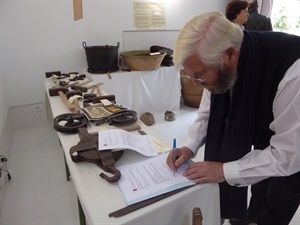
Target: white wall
[4,107]
[40,35]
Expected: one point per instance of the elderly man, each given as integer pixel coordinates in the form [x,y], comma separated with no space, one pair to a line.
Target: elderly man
[249,116]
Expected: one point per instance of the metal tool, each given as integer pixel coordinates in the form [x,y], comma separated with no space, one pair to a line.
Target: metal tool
[125,117]
[86,150]
[69,122]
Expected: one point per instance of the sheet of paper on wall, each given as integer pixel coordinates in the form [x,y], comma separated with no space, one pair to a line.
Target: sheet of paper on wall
[149,15]
[118,139]
[77,9]
[149,178]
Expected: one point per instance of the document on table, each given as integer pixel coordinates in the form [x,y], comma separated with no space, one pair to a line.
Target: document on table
[117,139]
[149,178]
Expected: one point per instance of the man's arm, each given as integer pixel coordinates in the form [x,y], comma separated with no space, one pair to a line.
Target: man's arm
[197,130]
[282,157]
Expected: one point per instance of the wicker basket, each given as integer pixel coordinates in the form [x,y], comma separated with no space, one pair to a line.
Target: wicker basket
[191,94]
[141,60]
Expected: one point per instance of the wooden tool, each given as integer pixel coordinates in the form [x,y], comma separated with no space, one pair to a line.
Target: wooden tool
[109,75]
[197,216]
[85,82]
[96,87]
[75,101]
[60,91]
[81,86]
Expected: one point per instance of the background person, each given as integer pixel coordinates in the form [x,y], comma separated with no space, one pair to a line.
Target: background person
[237,12]
[251,98]
[255,20]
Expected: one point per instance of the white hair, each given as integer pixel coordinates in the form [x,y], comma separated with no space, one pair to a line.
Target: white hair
[208,35]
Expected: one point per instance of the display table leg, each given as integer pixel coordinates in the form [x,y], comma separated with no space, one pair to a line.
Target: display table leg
[67,169]
[81,214]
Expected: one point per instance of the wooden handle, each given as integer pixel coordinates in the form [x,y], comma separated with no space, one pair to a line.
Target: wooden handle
[93,90]
[76,105]
[66,101]
[84,83]
[197,216]
[94,85]
[71,84]
[99,91]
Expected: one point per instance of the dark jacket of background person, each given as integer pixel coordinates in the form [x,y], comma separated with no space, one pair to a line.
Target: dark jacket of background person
[257,21]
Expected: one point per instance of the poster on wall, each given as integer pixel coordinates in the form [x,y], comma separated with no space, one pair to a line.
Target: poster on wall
[149,15]
[77,9]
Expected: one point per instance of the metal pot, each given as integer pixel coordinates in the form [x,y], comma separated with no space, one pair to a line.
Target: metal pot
[101,59]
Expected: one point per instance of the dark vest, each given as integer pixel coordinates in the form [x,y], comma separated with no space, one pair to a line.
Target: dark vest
[237,123]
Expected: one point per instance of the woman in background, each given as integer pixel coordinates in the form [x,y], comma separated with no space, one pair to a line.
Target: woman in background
[237,12]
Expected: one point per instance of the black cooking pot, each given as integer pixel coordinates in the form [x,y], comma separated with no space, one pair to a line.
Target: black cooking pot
[102,59]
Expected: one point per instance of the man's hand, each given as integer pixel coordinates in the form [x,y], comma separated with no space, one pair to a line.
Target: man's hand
[205,172]
[182,155]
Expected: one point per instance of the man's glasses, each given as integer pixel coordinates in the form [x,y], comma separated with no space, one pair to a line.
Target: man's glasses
[194,79]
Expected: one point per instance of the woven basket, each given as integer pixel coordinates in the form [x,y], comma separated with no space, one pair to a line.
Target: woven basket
[191,94]
[141,60]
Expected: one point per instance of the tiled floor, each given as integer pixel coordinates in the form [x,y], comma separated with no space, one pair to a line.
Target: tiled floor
[39,194]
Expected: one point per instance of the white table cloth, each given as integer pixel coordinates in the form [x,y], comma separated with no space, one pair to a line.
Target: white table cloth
[98,198]
[154,91]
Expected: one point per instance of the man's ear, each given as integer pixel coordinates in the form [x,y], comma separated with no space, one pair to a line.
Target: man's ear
[230,57]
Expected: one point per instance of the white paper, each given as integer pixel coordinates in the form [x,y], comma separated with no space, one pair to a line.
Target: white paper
[120,139]
[149,178]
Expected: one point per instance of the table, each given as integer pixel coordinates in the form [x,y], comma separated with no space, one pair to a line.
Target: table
[98,198]
[154,91]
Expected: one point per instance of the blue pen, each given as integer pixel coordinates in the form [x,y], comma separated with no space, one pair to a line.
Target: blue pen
[174,153]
